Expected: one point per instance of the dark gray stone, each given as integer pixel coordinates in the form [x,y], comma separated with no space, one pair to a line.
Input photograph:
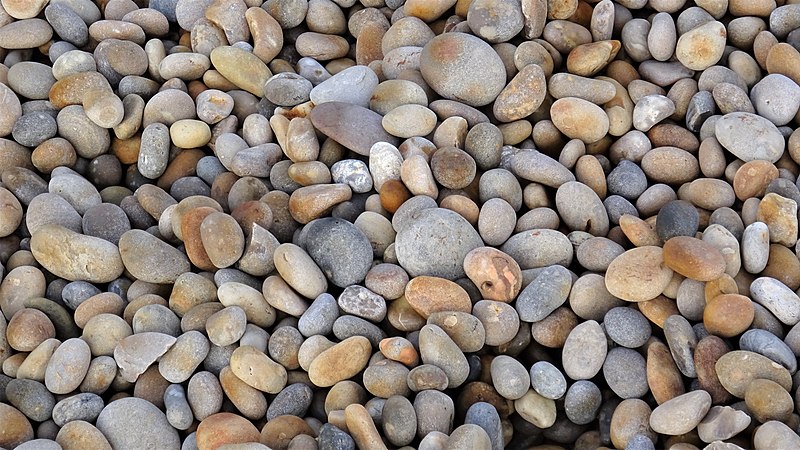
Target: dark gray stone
[340,249]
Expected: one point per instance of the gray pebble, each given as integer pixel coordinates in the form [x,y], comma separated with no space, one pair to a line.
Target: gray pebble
[67,23]
[485,416]
[545,294]
[78,292]
[294,399]
[332,438]
[617,206]
[106,221]
[681,340]
[361,302]
[34,128]
[353,173]
[627,327]
[399,421]
[319,317]
[625,371]
[510,378]
[340,249]
[31,398]
[769,345]
[547,380]
[435,412]
[85,406]
[582,402]
[288,89]
[154,150]
[349,326]
[777,98]
[627,180]
[179,413]
[435,242]
[677,218]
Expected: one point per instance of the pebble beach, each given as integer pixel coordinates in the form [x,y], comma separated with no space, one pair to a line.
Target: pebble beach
[399,224]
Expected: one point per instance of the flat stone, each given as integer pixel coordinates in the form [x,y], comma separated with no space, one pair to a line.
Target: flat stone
[137,352]
[353,126]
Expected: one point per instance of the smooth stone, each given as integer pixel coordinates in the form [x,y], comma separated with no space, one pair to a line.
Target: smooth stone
[18,428]
[336,119]
[777,108]
[74,256]
[538,410]
[544,294]
[777,298]
[584,351]
[462,67]
[85,406]
[547,380]
[241,68]
[638,275]
[534,166]
[579,119]
[353,85]
[258,370]
[340,362]
[150,259]
[765,343]
[627,327]
[438,349]
[31,398]
[762,138]
[539,248]
[340,249]
[120,416]
[582,402]
[738,368]
[67,366]
[581,209]
[435,243]
[702,46]
[625,372]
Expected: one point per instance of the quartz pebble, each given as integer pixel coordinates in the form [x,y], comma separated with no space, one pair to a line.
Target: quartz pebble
[438,224]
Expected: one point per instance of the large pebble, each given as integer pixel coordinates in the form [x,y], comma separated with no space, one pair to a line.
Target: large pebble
[749,137]
[150,259]
[121,416]
[435,243]
[76,257]
[463,67]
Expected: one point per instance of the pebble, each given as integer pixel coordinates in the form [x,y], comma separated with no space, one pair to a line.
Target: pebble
[340,362]
[584,351]
[627,273]
[119,416]
[450,73]
[766,142]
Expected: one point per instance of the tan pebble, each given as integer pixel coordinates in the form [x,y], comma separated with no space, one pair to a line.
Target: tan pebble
[495,273]
[311,202]
[225,428]
[340,362]
[258,370]
[28,328]
[737,369]
[780,215]
[579,119]
[432,294]
[639,274]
